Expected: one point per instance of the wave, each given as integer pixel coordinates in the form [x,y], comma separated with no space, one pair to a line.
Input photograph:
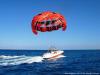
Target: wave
[16,60]
[61,56]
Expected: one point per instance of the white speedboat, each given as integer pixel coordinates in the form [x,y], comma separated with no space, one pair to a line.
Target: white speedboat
[52,53]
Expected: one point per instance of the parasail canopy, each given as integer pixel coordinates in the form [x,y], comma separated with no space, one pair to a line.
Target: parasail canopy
[48,21]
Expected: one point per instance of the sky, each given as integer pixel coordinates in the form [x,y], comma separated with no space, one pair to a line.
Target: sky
[82,16]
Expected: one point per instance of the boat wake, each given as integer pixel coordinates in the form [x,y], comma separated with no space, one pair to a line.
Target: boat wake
[17,60]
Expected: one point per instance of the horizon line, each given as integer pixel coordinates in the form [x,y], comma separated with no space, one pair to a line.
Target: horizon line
[47,49]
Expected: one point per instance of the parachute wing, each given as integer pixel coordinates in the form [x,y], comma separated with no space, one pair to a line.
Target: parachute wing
[48,21]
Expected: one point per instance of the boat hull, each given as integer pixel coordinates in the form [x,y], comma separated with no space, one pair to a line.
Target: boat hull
[52,55]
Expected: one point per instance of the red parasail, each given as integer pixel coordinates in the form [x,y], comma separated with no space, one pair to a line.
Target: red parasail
[48,21]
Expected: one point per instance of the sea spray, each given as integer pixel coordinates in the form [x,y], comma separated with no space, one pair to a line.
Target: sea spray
[16,60]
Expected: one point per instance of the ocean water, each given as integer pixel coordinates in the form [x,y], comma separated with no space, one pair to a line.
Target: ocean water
[30,62]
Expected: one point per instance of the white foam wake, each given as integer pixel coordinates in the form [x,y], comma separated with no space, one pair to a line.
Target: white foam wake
[16,60]
[61,56]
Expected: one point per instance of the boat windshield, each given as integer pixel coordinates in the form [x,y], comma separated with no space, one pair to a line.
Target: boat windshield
[52,49]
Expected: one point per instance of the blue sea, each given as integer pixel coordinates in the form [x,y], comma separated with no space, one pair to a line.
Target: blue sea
[30,62]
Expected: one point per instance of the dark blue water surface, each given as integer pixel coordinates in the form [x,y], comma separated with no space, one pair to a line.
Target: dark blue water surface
[75,62]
